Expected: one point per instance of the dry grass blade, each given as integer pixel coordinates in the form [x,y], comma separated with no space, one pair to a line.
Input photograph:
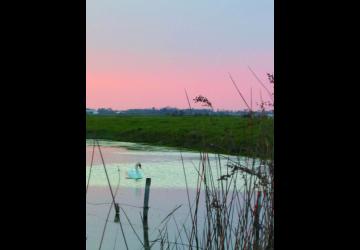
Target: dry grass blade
[232,80]
[262,84]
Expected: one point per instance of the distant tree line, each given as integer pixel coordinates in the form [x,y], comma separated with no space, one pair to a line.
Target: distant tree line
[176,112]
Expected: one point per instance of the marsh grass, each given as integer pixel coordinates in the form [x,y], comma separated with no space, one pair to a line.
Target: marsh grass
[225,135]
[238,211]
[239,205]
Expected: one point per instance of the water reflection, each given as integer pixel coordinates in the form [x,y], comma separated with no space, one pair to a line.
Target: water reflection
[137,190]
[164,167]
[168,191]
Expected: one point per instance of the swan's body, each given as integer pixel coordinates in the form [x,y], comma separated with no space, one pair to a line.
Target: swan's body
[136,173]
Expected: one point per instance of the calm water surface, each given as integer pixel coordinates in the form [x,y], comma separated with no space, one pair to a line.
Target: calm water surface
[168,191]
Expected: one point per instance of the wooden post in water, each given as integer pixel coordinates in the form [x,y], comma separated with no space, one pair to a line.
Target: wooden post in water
[257,221]
[145,214]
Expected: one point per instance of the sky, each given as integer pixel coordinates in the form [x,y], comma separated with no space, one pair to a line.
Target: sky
[143,54]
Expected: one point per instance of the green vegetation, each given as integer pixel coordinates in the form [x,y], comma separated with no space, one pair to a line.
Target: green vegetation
[227,135]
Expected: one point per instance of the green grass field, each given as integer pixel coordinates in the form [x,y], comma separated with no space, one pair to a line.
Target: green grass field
[227,135]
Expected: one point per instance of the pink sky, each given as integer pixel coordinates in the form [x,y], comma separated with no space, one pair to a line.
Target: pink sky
[141,82]
[143,55]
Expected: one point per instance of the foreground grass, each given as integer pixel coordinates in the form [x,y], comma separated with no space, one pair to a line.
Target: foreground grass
[227,135]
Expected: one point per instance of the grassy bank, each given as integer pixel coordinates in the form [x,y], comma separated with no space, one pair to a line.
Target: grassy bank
[228,135]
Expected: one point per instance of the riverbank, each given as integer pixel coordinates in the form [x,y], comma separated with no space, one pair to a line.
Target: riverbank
[226,135]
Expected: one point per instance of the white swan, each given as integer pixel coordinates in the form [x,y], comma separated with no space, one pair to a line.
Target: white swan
[136,173]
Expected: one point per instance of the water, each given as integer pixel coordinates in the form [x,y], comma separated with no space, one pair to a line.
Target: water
[168,191]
